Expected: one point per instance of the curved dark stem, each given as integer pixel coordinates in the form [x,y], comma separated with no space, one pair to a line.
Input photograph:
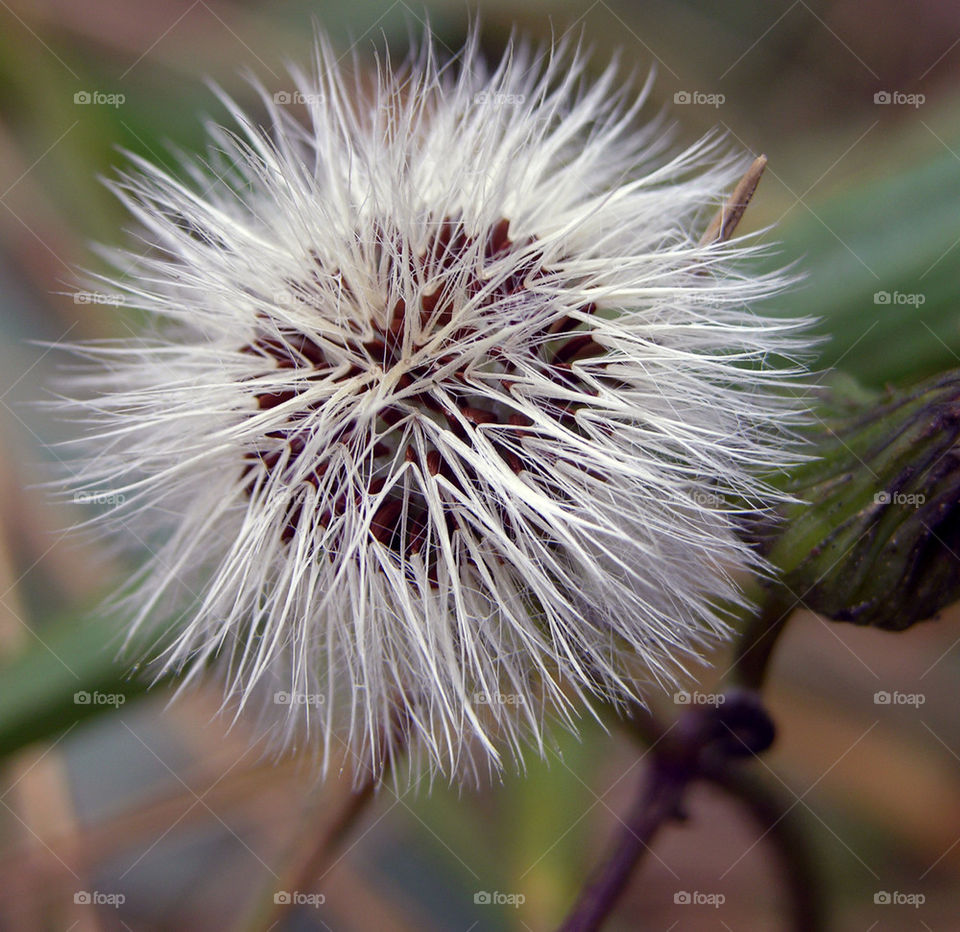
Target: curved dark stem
[778,820]
[756,642]
[702,741]
[782,830]
[702,745]
[658,803]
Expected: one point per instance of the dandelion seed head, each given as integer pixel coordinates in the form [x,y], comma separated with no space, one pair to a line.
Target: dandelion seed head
[446,420]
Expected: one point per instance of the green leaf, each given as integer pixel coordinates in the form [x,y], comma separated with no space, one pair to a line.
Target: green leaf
[66,674]
[881,264]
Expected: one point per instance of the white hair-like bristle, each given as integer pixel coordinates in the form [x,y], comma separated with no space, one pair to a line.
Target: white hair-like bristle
[448,420]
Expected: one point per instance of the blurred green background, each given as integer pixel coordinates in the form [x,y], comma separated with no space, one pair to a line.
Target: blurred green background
[856,105]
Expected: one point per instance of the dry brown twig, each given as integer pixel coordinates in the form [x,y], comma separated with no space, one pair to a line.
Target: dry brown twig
[726,220]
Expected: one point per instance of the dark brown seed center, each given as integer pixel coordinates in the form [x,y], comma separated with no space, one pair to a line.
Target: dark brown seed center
[396,347]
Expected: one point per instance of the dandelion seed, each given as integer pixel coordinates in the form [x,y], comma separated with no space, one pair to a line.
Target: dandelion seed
[448,419]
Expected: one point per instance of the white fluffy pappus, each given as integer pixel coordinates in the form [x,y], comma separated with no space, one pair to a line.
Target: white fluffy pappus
[447,420]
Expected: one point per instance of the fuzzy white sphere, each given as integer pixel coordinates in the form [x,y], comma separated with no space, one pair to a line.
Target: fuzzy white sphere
[447,421]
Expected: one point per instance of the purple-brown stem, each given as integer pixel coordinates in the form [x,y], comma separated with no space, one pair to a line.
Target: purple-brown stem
[703,742]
